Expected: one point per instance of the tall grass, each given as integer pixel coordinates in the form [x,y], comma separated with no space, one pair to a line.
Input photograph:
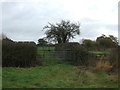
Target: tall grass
[103,65]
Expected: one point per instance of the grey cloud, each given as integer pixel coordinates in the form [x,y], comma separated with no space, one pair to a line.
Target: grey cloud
[29,22]
[89,20]
[112,27]
[24,21]
[90,28]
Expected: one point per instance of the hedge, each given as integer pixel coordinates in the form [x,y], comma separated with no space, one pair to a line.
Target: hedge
[115,58]
[18,54]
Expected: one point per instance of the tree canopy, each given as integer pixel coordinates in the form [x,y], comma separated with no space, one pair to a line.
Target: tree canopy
[42,42]
[107,42]
[62,32]
[88,43]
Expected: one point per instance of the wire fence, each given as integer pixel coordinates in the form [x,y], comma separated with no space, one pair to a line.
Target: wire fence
[53,55]
[49,53]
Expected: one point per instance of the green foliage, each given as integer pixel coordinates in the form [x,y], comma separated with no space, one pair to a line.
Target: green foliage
[89,43]
[106,42]
[18,54]
[42,42]
[101,42]
[73,52]
[62,32]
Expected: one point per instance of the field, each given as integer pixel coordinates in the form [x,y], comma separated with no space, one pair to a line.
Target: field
[56,73]
[56,76]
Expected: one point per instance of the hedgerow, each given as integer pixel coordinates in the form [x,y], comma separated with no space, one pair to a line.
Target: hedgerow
[19,54]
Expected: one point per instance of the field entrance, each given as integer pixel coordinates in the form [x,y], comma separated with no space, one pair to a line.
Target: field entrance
[48,54]
[51,56]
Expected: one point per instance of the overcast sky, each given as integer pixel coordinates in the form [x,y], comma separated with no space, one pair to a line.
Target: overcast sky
[24,21]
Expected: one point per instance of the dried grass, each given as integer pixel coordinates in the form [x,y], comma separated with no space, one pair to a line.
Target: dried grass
[103,65]
[112,78]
